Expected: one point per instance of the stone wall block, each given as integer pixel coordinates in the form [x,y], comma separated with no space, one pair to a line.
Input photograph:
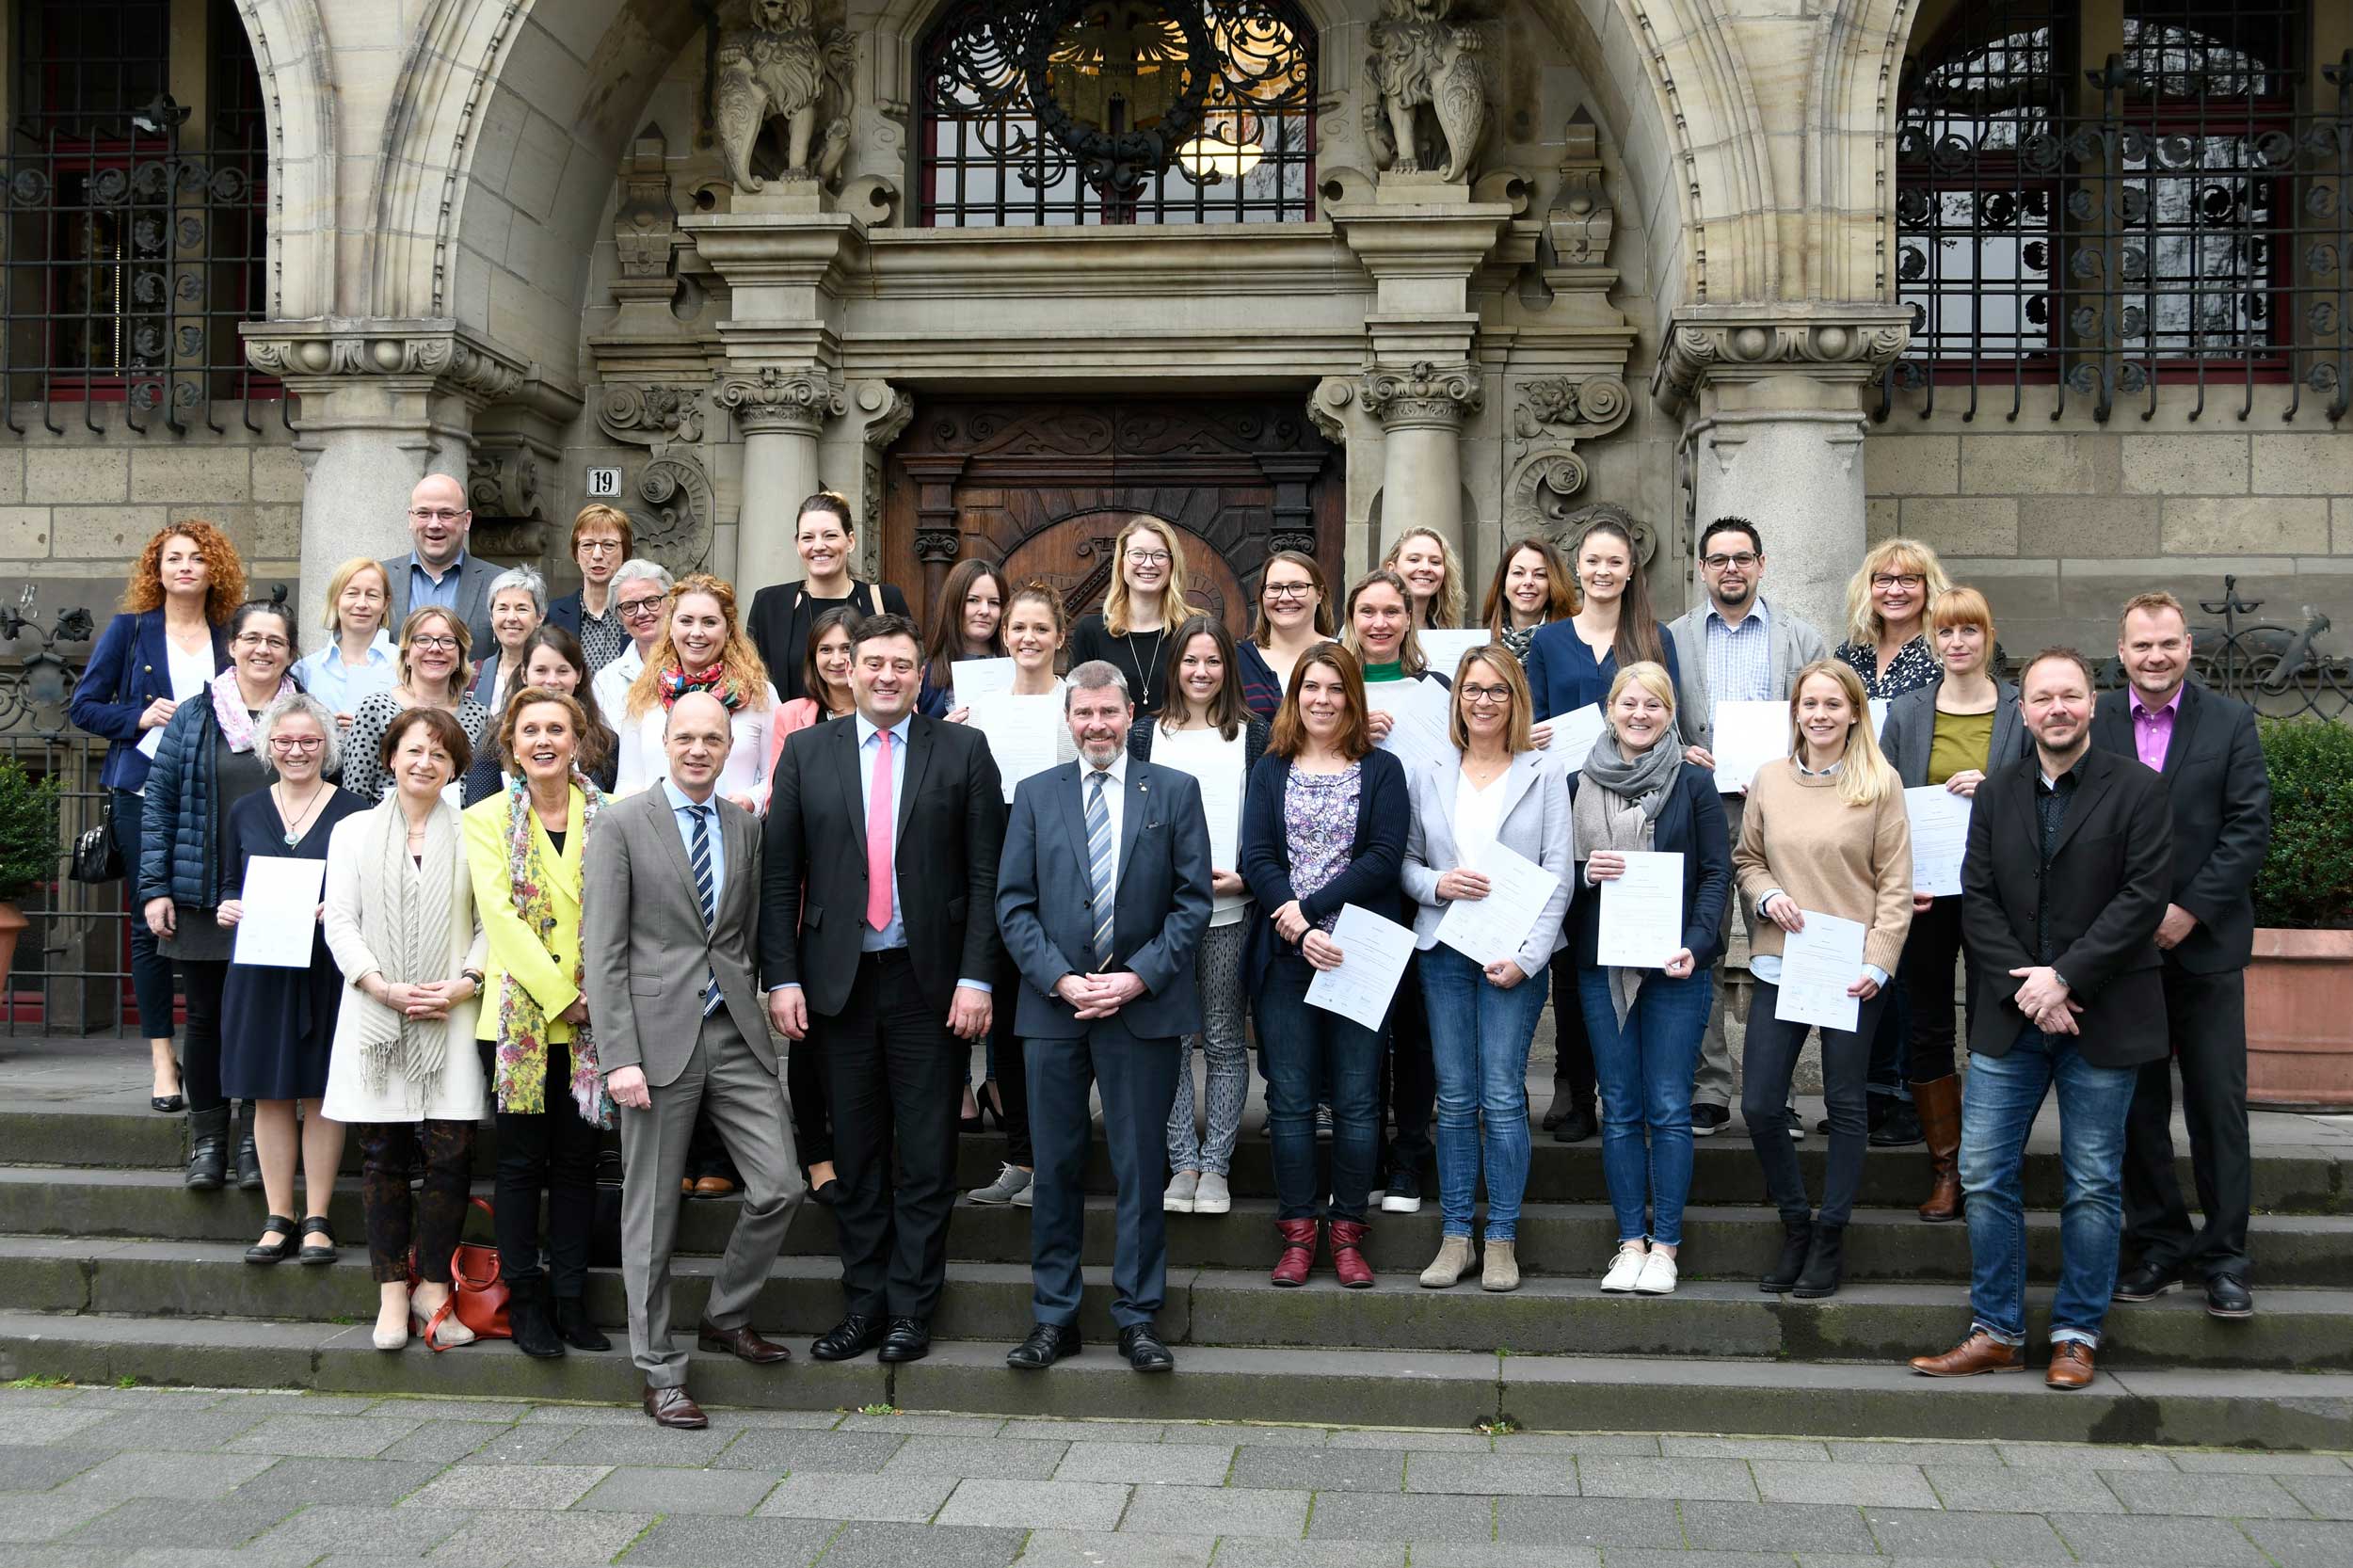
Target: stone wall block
[1880,518]
[2340,526]
[11,476]
[2088,525]
[24,533]
[2039,465]
[2249,525]
[277,475]
[2304,465]
[2187,465]
[1974,526]
[103,532]
[1911,465]
[80,475]
[177,474]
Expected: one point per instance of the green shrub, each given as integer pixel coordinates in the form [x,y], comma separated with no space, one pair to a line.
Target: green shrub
[28,830]
[2307,878]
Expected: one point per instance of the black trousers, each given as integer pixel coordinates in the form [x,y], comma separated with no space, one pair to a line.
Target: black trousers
[554,1152]
[202,982]
[1572,1048]
[812,1114]
[1409,1081]
[1925,973]
[895,1083]
[2206,1017]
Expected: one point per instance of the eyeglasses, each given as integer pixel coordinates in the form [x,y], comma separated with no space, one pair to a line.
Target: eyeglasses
[433,641]
[262,639]
[633,608]
[305,743]
[431,514]
[1883,579]
[1486,694]
[1147,557]
[598,546]
[1718,563]
[1286,590]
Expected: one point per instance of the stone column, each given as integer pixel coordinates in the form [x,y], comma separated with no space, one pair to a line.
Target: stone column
[1422,410]
[1771,396]
[779,412]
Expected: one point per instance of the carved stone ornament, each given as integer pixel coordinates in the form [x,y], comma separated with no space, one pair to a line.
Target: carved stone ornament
[1741,343]
[1557,406]
[1570,526]
[297,352]
[647,219]
[1424,396]
[1327,408]
[1538,494]
[778,63]
[672,521]
[889,411]
[653,415]
[796,401]
[504,483]
[1581,219]
[1421,60]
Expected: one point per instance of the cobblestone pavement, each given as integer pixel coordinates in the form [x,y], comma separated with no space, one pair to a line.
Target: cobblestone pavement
[207,1479]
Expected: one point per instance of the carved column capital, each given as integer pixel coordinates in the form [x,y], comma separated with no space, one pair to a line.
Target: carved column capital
[1423,396]
[1839,344]
[772,399]
[310,357]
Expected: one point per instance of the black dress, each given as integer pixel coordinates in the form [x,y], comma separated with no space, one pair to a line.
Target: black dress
[278,1025]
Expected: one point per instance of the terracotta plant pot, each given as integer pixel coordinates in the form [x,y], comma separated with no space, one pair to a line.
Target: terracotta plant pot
[12,924]
[2300,1020]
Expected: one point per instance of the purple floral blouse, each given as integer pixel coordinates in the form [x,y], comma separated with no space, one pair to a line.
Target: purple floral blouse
[1320,819]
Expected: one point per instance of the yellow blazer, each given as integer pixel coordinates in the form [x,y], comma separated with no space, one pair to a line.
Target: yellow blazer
[543,968]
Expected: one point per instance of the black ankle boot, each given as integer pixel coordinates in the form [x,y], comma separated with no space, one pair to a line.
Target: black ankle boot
[533,1322]
[208,1148]
[1824,1260]
[1797,1240]
[572,1325]
[248,1157]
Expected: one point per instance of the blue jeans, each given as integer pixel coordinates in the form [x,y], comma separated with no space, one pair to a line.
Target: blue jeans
[1999,1106]
[1306,1051]
[1644,1068]
[1479,1039]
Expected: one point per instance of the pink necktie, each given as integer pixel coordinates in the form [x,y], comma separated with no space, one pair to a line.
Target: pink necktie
[878,826]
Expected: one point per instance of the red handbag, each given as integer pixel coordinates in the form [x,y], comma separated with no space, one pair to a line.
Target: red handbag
[477,1295]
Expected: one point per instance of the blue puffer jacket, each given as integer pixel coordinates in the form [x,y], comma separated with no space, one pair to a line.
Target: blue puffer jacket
[178,856]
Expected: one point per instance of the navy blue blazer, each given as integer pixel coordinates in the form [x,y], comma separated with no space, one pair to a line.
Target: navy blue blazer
[1384,816]
[1690,823]
[128,669]
[1562,676]
[565,612]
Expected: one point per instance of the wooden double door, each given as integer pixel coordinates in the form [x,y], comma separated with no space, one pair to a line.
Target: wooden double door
[1043,490]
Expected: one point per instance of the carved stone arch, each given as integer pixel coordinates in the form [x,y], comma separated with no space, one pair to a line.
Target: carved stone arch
[1850,146]
[297,70]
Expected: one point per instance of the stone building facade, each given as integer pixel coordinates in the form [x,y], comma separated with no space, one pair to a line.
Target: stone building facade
[1665,258]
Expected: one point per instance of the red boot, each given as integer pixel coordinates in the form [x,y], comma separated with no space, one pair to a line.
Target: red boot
[1348,1257]
[1299,1252]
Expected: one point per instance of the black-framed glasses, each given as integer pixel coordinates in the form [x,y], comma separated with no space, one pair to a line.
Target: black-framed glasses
[636,607]
[431,640]
[599,547]
[1486,694]
[304,743]
[262,639]
[1883,579]
[1718,563]
[1288,590]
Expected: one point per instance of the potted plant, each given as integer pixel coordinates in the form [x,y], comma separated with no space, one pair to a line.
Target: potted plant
[28,849]
[2300,985]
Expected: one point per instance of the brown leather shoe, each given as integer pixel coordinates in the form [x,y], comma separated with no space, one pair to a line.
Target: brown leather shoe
[670,1407]
[1979,1353]
[740,1342]
[713,1187]
[686,1187]
[2070,1365]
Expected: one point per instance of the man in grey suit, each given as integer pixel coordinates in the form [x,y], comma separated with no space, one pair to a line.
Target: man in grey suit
[1102,897]
[436,570]
[1735,647]
[670,912]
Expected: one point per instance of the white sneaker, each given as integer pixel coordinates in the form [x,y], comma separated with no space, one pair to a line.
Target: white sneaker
[1179,1197]
[1624,1269]
[1213,1195]
[1658,1277]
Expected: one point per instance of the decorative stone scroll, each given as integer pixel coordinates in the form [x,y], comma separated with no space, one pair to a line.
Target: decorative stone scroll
[650,414]
[1425,396]
[1580,407]
[673,518]
[1570,526]
[795,402]
[1750,343]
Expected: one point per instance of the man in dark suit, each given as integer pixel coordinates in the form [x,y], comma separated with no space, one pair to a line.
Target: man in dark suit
[2205,745]
[877,933]
[438,570]
[1102,897]
[781,613]
[2070,852]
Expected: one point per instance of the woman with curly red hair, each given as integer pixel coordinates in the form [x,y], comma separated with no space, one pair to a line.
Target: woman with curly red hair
[703,648]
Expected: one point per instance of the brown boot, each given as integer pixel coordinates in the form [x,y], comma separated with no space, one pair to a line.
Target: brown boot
[1939,1105]
[1979,1353]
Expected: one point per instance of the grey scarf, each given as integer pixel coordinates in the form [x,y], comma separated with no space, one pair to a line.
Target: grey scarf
[405,913]
[1645,780]
[1616,808]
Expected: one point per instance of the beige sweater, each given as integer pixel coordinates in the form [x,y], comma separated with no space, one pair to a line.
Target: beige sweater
[1851,861]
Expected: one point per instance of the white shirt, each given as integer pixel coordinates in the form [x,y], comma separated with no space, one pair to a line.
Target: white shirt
[1114,802]
[1201,753]
[1476,816]
[191,670]
[644,760]
[611,684]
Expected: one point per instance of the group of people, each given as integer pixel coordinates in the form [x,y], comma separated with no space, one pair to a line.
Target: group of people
[748,891]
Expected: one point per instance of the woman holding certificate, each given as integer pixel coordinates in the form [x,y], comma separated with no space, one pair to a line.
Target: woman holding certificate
[1323,826]
[1636,796]
[1492,801]
[1207,730]
[1824,834]
[1294,615]
[278,1022]
[968,625]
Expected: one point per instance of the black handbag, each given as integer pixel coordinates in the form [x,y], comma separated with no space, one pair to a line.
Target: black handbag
[95,857]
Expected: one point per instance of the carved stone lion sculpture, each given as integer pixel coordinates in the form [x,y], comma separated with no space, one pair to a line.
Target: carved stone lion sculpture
[1420,57]
[779,65]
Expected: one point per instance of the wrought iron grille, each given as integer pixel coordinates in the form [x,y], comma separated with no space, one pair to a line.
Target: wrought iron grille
[1117,111]
[2172,213]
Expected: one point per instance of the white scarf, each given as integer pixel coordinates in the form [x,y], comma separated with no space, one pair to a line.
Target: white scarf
[406,915]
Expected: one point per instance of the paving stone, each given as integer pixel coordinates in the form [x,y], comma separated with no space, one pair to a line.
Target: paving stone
[744,1420]
[1510,1554]
[526,1444]
[993,1457]
[643,1444]
[171,1475]
[14,1399]
[181,1557]
[906,1499]
[584,1415]
[45,1516]
[2304,1543]
[701,1540]
[2153,1542]
[2021,1490]
[2080,1456]
[292,1484]
[1644,1556]
[392,1532]
[1262,1552]
[1858,1559]
[534,1535]
[1064,1505]
[1093,1432]
[176,1522]
[323,1436]
[440,1442]
[2220,1496]
[1577,1443]
[1492,1474]
[1098,1549]
[1714,1526]
[301,1401]
[1812,1481]
[504,1411]
[53,1425]
[2237,1463]
[1938,1532]
[1367,1470]
[930,1426]
[1621,1475]
[1412,1442]
[2331,1497]
[511,1486]
[58,1557]
[1232,1435]
[1875,1451]
[885,1546]
[38,1466]
[778,1451]
[187,1431]
[1187,1465]
[1221,1511]
[1604,1521]
[649,1489]
[1744,1447]
[185,1399]
[1431,1517]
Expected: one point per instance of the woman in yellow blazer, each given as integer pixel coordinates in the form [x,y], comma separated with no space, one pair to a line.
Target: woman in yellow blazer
[525,847]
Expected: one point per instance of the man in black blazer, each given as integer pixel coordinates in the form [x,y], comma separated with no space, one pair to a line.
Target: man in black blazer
[1102,897]
[438,569]
[780,614]
[877,933]
[2063,883]
[2205,746]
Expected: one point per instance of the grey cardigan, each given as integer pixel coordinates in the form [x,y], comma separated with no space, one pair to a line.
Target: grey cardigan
[1534,822]
[1910,729]
[1793,645]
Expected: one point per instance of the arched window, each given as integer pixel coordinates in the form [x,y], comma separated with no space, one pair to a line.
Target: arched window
[2099,197]
[1064,112]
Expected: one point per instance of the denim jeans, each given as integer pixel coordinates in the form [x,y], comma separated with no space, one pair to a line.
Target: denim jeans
[1478,1038]
[1768,1059]
[1644,1067]
[1998,1104]
[1304,1050]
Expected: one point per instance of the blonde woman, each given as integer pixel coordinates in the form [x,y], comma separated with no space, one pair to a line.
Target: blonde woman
[1888,613]
[701,649]
[1433,576]
[1824,832]
[433,674]
[359,659]
[1146,598]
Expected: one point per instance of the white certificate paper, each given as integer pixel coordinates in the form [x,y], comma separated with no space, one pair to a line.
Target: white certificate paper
[1215,763]
[1747,735]
[1816,966]
[1417,712]
[1444,647]
[974,678]
[1573,734]
[1373,954]
[1491,929]
[1641,912]
[1940,836]
[1024,732]
[282,911]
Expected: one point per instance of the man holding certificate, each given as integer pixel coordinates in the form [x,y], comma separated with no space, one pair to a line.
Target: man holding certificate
[1490,836]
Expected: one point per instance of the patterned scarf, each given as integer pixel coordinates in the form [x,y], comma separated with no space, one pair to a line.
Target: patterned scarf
[675,682]
[236,722]
[520,1073]
[406,918]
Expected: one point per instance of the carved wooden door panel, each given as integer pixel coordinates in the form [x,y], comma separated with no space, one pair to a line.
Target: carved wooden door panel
[1044,487]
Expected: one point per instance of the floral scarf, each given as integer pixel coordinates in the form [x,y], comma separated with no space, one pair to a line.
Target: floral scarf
[520,1073]
[675,682]
[236,721]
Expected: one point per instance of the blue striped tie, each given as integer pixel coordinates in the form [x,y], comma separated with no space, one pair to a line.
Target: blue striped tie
[1099,850]
[700,856]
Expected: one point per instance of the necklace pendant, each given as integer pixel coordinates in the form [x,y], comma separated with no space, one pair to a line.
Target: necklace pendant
[292,838]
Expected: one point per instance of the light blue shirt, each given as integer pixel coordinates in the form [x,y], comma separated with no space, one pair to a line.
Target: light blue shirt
[1740,658]
[425,588]
[341,686]
[683,808]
